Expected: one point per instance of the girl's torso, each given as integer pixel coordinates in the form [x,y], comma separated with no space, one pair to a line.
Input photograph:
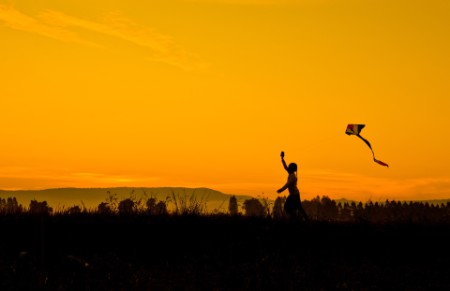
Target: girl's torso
[292,184]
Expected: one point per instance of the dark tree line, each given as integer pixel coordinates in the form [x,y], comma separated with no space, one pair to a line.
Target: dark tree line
[318,209]
[326,209]
[10,206]
[393,211]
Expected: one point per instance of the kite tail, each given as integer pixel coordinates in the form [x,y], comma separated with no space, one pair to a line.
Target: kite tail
[373,154]
[380,162]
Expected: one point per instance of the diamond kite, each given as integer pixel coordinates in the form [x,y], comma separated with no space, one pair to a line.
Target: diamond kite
[355,129]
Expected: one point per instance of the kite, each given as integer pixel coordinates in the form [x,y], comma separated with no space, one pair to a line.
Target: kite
[355,129]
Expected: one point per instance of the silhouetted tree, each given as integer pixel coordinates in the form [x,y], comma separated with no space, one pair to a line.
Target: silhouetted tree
[233,206]
[374,212]
[345,212]
[266,204]
[253,207]
[156,208]
[103,208]
[151,206]
[127,206]
[328,209]
[359,213]
[161,208]
[39,207]
[10,206]
[312,208]
[278,211]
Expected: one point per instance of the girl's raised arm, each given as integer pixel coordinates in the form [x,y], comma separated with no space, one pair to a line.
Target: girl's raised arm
[284,163]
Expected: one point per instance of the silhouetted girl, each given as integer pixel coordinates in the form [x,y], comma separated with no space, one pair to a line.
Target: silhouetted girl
[293,205]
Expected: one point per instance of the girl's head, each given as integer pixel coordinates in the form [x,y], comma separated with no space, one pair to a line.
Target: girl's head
[292,168]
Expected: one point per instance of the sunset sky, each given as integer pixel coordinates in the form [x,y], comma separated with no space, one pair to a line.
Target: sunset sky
[206,93]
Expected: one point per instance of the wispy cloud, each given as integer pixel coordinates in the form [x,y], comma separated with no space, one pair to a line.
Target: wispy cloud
[15,19]
[66,28]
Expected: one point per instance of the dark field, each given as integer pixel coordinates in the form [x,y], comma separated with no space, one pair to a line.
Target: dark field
[141,252]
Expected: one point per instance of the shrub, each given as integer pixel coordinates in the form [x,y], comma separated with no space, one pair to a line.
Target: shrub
[156,208]
[233,206]
[103,208]
[278,208]
[127,206]
[253,207]
[40,208]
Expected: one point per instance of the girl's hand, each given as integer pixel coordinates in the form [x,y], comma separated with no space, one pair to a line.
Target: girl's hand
[282,154]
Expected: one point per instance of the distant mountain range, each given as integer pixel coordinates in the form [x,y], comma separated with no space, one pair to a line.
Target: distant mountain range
[63,198]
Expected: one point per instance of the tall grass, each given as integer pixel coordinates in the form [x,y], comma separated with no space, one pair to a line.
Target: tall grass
[189,204]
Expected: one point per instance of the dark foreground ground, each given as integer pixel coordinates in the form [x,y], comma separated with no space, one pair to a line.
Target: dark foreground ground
[93,252]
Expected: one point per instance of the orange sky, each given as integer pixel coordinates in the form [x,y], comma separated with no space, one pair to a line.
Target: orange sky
[206,93]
